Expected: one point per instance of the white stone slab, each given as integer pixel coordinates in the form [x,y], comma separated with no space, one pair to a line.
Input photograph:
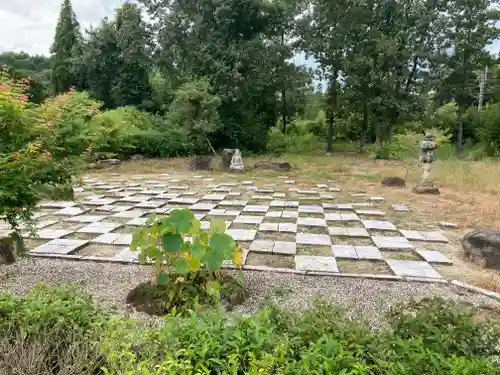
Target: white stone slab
[344,251]
[311,221]
[313,239]
[315,263]
[412,268]
[433,256]
[391,243]
[378,224]
[242,234]
[368,252]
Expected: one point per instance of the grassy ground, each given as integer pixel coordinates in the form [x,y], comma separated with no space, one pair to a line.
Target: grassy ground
[470,194]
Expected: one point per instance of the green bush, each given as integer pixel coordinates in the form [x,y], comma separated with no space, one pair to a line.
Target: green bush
[302,143]
[433,337]
[488,130]
[407,145]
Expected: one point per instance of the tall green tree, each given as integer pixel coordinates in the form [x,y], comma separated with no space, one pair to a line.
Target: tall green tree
[471,27]
[116,60]
[66,49]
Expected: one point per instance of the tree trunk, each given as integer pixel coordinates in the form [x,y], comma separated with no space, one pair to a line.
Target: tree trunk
[460,130]
[7,251]
[378,134]
[364,129]
[333,109]
[283,114]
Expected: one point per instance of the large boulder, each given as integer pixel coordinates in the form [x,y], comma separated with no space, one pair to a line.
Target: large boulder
[394,182]
[227,155]
[201,163]
[284,167]
[483,246]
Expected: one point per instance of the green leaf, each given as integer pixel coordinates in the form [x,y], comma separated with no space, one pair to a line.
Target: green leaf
[181,220]
[172,242]
[213,260]
[217,226]
[181,266]
[222,243]
[197,251]
[213,287]
[162,278]
[196,226]
[153,252]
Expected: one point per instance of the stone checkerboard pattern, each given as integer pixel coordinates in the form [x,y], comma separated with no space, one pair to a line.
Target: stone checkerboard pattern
[314,230]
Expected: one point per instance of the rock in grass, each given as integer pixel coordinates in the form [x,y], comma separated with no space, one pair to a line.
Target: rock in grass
[201,162]
[274,166]
[107,162]
[483,246]
[393,182]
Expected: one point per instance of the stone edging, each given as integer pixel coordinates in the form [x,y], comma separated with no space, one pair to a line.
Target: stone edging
[476,289]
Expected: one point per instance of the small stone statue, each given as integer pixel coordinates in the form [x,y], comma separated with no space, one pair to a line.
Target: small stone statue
[237,162]
[427,147]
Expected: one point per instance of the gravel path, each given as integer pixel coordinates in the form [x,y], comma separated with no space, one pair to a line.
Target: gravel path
[362,298]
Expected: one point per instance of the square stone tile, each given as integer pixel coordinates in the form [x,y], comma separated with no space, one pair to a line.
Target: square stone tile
[126,255]
[256,208]
[332,217]
[217,211]
[124,239]
[414,235]
[357,232]
[107,238]
[434,236]
[71,211]
[400,208]
[50,234]
[292,204]
[370,212]
[412,268]
[137,221]
[344,251]
[315,263]
[376,199]
[311,221]
[433,256]
[232,213]
[59,246]
[368,252]
[349,217]
[202,206]
[287,227]
[274,213]
[249,219]
[86,218]
[311,209]
[279,195]
[284,247]
[149,204]
[262,197]
[99,227]
[391,243]
[100,201]
[313,239]
[337,231]
[277,203]
[263,246]
[234,194]
[130,214]
[240,202]
[58,204]
[344,206]
[242,234]
[378,224]
[111,208]
[214,197]
[290,214]
[268,227]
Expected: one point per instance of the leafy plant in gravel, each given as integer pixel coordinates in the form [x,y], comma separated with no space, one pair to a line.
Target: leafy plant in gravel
[187,262]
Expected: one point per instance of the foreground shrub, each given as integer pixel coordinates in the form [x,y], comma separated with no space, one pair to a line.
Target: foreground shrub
[50,331]
[432,338]
[303,143]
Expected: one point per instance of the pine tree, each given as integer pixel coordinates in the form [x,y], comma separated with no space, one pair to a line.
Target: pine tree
[67,43]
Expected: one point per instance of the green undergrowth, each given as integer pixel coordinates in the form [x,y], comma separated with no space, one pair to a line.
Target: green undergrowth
[62,331]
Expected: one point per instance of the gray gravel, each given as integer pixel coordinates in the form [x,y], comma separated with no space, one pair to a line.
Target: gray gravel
[361,298]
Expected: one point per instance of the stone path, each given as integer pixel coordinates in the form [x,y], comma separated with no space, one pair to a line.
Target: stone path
[278,226]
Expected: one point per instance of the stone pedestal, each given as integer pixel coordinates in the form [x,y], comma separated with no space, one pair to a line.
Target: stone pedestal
[427,147]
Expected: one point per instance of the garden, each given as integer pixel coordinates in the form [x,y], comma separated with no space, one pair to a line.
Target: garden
[129,244]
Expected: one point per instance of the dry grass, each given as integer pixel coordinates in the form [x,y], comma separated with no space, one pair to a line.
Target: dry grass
[470,194]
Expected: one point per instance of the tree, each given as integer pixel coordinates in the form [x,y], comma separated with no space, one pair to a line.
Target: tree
[65,49]
[471,26]
[116,60]
[132,81]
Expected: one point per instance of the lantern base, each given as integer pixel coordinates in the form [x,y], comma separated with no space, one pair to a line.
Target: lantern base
[426,188]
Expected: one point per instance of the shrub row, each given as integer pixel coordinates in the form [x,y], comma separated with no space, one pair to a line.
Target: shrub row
[61,327]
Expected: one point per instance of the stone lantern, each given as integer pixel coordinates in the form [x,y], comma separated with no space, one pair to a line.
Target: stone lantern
[427,147]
